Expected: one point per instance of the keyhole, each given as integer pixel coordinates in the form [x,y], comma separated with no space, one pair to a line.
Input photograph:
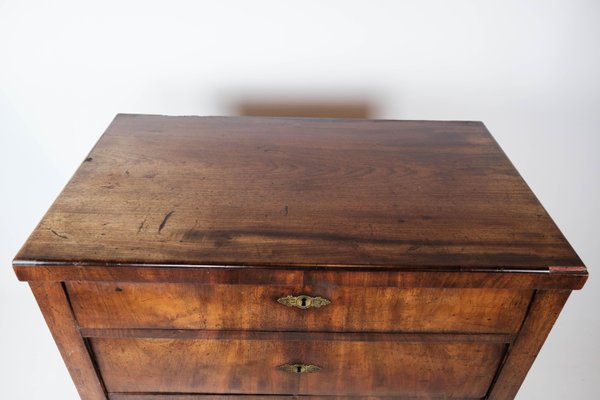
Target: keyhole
[299,369]
[304,302]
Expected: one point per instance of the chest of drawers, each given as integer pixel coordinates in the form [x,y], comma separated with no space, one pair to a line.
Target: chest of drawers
[278,258]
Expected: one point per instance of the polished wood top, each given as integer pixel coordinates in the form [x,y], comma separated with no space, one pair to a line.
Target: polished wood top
[288,192]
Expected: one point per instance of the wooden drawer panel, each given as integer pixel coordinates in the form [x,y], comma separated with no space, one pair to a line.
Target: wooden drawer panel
[124,396]
[390,368]
[255,307]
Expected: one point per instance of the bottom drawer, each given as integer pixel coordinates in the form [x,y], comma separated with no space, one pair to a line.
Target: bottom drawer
[345,368]
[121,396]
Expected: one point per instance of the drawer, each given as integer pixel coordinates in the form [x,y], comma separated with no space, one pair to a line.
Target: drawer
[255,307]
[346,368]
[124,396]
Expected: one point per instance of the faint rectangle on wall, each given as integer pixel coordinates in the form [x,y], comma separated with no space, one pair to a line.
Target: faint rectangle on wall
[309,109]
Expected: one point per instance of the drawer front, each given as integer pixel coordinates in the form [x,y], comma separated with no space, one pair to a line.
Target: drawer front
[124,396]
[255,307]
[347,368]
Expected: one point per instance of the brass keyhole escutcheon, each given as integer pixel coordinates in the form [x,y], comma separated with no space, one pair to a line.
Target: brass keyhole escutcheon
[303,301]
[299,368]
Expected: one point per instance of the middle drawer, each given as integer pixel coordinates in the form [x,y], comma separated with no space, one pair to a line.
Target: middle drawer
[256,307]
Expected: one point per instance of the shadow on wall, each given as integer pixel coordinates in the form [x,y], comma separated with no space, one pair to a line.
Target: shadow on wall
[305,108]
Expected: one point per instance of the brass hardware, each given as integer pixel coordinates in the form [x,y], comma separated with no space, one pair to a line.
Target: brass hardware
[303,301]
[299,368]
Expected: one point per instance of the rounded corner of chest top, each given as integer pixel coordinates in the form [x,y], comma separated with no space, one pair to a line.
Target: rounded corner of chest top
[576,275]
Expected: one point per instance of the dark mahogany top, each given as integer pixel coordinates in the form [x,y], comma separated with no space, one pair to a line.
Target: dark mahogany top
[297,192]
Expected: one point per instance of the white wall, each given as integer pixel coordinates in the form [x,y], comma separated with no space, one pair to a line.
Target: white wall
[528,69]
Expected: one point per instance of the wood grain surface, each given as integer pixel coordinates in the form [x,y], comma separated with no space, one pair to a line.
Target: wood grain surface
[545,308]
[337,276]
[251,367]
[251,307]
[422,337]
[57,312]
[156,396]
[297,192]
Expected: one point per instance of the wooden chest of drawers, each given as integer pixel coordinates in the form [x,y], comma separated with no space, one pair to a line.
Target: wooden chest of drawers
[278,258]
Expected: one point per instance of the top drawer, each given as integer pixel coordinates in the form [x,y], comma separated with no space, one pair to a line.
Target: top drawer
[256,307]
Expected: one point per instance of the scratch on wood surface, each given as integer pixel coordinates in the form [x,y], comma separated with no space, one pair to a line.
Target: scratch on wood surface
[58,234]
[164,221]
[142,225]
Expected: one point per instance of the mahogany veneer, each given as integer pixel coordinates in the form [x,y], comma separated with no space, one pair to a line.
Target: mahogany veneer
[278,258]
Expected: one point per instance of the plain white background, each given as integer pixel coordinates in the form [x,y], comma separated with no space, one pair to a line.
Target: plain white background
[529,69]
